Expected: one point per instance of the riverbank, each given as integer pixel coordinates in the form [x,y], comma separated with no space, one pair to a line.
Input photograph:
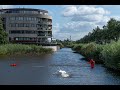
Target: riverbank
[18,49]
[108,54]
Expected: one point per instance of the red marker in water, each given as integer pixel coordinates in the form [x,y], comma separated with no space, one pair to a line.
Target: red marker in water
[92,63]
[13,65]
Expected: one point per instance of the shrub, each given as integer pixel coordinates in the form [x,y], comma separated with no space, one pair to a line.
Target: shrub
[111,55]
[19,48]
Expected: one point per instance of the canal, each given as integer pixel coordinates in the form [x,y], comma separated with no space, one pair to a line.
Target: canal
[42,70]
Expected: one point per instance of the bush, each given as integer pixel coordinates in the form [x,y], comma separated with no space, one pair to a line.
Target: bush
[77,47]
[111,55]
[90,50]
[19,48]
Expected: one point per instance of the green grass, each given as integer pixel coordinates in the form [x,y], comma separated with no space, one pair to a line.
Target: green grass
[10,49]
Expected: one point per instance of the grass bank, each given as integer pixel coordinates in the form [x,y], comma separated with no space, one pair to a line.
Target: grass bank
[10,49]
[90,50]
[108,54]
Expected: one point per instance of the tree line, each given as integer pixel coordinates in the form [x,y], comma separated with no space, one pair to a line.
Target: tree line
[109,32]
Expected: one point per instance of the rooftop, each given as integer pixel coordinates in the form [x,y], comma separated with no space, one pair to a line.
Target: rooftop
[25,9]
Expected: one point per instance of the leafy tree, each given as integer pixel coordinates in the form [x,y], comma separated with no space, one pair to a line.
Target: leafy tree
[3,34]
[110,32]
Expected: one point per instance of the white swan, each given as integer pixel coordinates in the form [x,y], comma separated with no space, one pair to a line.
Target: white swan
[64,73]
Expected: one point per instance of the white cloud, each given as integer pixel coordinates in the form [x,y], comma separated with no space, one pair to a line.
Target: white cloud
[69,11]
[83,19]
[86,13]
[74,29]
[6,6]
[115,17]
[83,10]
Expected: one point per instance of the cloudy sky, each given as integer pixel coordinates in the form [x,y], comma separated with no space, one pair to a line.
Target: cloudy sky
[75,20]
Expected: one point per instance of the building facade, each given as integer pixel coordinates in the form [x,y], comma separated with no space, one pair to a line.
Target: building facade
[27,26]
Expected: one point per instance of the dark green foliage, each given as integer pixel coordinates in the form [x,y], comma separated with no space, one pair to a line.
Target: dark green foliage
[3,34]
[9,49]
[77,47]
[108,54]
[111,55]
[102,36]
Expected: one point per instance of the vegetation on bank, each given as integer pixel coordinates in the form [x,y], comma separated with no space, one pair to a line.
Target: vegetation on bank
[10,49]
[106,34]
[103,45]
[111,55]
[108,54]
[90,50]
[3,34]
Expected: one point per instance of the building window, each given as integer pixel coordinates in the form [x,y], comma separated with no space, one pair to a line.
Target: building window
[20,18]
[22,32]
[32,19]
[12,18]
[16,25]
[27,18]
[32,25]
[24,18]
[41,12]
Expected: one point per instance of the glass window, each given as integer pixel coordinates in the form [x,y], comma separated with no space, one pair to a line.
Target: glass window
[32,25]
[12,25]
[41,12]
[24,18]
[35,19]
[12,18]
[21,18]
[20,38]
[30,18]
[20,25]
[27,18]
[17,18]
[26,25]
[16,25]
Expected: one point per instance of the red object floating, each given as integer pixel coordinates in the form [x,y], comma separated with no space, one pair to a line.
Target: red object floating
[13,65]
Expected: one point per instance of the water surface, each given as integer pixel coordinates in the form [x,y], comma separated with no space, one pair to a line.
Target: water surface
[40,70]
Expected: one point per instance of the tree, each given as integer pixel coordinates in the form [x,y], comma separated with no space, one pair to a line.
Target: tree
[110,32]
[3,34]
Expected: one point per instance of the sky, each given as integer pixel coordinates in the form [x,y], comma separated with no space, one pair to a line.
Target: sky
[75,20]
